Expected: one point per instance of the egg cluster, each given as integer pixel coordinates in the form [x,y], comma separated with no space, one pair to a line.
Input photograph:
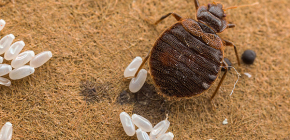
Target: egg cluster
[11,52]
[156,133]
[138,81]
[6,131]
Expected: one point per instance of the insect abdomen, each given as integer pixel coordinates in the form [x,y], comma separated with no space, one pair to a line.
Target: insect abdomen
[182,64]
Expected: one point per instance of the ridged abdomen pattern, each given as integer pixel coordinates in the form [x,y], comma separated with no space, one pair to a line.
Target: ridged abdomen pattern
[182,64]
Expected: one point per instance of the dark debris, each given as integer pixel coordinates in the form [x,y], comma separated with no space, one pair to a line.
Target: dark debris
[93,92]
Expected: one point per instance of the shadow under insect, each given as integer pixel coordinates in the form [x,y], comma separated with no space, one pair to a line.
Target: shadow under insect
[149,104]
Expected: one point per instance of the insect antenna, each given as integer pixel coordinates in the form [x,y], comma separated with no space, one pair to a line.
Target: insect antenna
[233,7]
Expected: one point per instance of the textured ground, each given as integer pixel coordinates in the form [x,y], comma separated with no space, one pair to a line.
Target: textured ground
[80,92]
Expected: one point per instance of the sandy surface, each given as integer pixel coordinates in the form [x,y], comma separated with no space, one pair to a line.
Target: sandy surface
[80,92]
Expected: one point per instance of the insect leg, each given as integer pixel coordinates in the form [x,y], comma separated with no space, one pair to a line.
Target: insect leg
[142,64]
[196,4]
[177,17]
[221,81]
[228,43]
[231,25]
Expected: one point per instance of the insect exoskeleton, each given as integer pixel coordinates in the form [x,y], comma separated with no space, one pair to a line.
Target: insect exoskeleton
[187,57]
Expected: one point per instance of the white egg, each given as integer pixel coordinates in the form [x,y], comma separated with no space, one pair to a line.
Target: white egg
[127,124]
[4,81]
[142,122]
[133,67]
[5,43]
[22,59]
[21,72]
[137,82]
[6,131]
[2,24]
[1,59]
[141,135]
[5,69]
[40,59]
[14,50]
[159,129]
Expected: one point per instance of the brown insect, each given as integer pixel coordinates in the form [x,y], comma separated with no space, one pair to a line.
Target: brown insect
[187,57]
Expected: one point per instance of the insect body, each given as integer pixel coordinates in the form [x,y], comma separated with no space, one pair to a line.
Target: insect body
[187,57]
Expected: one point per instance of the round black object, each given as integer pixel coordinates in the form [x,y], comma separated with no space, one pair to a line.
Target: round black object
[249,57]
[229,64]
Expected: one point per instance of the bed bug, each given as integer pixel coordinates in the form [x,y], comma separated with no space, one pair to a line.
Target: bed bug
[188,56]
